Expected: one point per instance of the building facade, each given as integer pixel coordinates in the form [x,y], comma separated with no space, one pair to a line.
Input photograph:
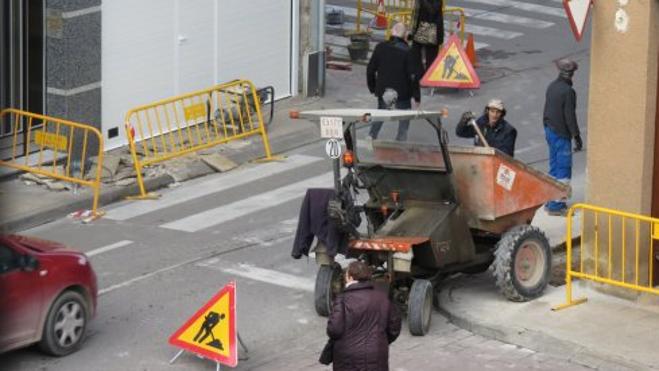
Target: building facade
[91,61]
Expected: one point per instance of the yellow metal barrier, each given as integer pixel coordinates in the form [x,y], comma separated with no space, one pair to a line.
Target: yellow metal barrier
[188,123]
[395,11]
[59,149]
[459,14]
[615,239]
[403,10]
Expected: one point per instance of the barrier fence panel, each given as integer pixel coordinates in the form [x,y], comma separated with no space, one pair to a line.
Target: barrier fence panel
[187,123]
[455,21]
[403,11]
[394,11]
[55,148]
[616,249]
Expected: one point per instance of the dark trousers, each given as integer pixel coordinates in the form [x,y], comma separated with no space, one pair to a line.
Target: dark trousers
[430,54]
[403,125]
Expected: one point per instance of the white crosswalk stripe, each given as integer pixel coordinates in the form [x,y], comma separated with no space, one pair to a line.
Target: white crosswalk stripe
[506,18]
[225,213]
[469,12]
[269,276]
[528,7]
[215,184]
[471,28]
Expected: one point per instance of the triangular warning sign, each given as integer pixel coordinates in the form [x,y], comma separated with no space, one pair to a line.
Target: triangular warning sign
[577,12]
[452,68]
[211,332]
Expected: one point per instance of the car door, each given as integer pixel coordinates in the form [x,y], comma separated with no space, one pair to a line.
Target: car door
[21,299]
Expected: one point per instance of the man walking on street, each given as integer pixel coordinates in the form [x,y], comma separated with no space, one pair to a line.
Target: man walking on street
[392,66]
[560,123]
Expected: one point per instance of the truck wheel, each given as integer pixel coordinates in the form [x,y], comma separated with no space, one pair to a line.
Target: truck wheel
[66,323]
[420,307]
[522,263]
[329,283]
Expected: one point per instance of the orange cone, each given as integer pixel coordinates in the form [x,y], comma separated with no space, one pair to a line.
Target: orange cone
[381,16]
[471,50]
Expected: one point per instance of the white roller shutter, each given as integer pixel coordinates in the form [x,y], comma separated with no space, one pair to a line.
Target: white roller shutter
[254,42]
[154,49]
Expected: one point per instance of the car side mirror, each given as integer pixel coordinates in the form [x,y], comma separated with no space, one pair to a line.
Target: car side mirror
[28,263]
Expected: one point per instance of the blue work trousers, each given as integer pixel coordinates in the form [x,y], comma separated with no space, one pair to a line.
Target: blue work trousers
[560,163]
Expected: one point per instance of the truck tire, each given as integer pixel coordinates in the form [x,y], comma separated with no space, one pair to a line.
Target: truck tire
[66,324]
[329,283]
[420,306]
[522,263]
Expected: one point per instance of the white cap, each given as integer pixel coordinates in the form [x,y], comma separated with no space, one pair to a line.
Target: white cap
[496,103]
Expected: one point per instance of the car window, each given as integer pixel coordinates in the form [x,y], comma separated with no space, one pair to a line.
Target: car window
[8,259]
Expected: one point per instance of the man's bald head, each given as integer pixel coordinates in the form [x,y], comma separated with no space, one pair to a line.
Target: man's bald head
[398,30]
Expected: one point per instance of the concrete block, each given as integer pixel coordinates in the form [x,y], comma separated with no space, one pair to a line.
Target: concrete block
[110,167]
[218,162]
[187,168]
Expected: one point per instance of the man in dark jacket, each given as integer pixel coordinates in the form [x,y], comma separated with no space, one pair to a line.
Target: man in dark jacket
[362,324]
[560,124]
[498,132]
[392,67]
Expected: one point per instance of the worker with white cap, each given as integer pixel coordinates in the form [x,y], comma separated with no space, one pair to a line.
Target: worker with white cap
[560,125]
[490,130]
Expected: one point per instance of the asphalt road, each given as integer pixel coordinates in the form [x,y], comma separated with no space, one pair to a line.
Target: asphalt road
[159,261]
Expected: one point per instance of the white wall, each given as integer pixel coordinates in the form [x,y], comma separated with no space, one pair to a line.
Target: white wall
[154,49]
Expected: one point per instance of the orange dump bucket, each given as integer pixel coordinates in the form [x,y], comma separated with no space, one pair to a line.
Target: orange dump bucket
[497,191]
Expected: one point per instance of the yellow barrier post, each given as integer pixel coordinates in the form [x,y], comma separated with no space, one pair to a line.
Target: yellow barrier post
[607,278]
[568,269]
[36,133]
[194,121]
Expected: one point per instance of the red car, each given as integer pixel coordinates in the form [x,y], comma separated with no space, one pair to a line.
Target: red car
[47,295]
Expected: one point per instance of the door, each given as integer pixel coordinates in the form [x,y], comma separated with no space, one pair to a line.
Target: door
[21,301]
[21,63]
[195,39]
[138,44]
[255,42]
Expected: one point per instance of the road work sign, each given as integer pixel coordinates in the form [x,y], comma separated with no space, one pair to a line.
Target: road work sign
[452,68]
[577,12]
[211,332]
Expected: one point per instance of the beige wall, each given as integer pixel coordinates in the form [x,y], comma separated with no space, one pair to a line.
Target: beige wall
[621,111]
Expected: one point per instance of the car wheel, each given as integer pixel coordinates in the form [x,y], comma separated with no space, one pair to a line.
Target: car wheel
[66,323]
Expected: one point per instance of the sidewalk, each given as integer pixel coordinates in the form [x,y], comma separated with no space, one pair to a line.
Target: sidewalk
[603,333]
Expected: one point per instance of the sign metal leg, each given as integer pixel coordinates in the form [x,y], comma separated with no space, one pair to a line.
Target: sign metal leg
[217,368]
[242,345]
[176,356]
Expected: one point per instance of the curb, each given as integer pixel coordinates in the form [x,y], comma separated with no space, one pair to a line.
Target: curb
[112,195]
[529,338]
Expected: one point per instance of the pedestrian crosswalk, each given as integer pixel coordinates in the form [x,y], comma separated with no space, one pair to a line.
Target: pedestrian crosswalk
[250,205]
[492,22]
[209,186]
[203,216]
